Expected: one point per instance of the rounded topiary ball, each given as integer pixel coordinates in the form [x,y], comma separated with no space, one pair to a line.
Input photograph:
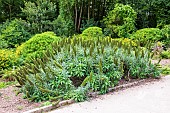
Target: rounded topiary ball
[92,33]
[35,46]
[147,34]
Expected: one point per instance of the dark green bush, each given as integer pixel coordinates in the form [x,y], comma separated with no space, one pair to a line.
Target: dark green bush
[13,33]
[93,65]
[147,34]
[60,27]
[39,15]
[92,33]
[35,46]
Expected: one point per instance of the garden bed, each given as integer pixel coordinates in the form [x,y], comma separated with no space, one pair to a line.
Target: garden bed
[16,104]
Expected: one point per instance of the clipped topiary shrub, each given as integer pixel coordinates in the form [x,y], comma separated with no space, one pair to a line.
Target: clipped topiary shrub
[35,46]
[147,34]
[14,33]
[92,33]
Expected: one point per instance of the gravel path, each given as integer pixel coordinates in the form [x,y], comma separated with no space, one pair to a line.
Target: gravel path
[152,97]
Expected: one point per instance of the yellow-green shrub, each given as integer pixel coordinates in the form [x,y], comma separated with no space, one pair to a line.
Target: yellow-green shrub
[8,59]
[35,46]
[147,34]
[92,33]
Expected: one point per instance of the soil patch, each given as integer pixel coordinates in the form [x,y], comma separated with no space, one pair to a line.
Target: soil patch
[163,62]
[10,103]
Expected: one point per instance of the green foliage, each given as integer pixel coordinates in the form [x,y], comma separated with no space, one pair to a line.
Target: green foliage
[3,43]
[66,9]
[147,34]
[93,65]
[13,33]
[2,85]
[5,84]
[137,64]
[47,85]
[100,83]
[35,46]
[165,70]
[126,41]
[60,27]
[166,35]
[10,9]
[92,32]
[79,94]
[8,59]
[165,54]
[160,8]
[88,23]
[39,15]
[121,20]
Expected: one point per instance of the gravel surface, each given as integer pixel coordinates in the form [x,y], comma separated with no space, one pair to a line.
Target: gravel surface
[153,97]
[164,62]
[10,103]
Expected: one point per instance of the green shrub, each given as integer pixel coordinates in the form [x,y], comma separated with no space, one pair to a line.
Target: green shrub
[121,20]
[35,46]
[100,83]
[79,94]
[165,54]
[94,64]
[166,35]
[147,34]
[92,33]
[13,33]
[8,59]
[39,15]
[88,23]
[3,44]
[60,27]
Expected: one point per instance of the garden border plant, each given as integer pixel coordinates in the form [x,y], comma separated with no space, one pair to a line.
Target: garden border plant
[101,64]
